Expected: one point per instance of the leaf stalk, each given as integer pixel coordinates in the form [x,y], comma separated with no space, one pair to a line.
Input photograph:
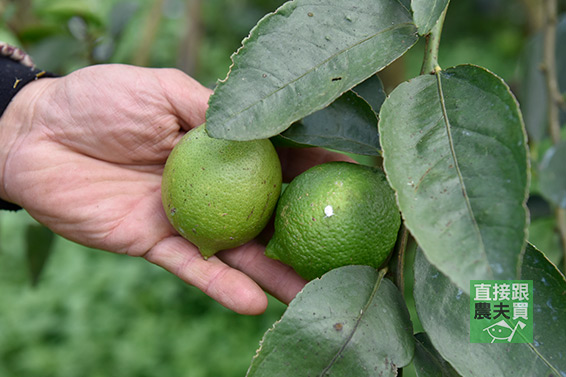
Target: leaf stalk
[430,61]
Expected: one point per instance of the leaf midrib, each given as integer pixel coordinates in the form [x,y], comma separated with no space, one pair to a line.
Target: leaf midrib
[315,67]
[457,168]
[358,321]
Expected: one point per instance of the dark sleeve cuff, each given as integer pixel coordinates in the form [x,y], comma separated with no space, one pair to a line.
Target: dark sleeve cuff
[4,205]
[13,77]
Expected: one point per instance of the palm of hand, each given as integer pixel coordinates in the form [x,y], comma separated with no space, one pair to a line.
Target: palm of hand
[89,162]
[88,165]
[97,151]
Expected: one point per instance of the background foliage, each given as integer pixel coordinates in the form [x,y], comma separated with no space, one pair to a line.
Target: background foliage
[97,314]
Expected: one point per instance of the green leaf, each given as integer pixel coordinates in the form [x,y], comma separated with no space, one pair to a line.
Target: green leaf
[302,57]
[351,322]
[544,236]
[372,91]
[549,291]
[444,311]
[428,362]
[348,125]
[455,151]
[552,175]
[39,240]
[426,13]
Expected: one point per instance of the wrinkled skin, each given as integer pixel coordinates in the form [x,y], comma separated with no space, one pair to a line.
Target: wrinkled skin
[84,153]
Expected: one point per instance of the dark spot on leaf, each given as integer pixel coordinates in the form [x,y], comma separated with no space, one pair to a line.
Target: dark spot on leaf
[336,78]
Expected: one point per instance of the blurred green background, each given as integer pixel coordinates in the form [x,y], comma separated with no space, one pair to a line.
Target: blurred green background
[92,313]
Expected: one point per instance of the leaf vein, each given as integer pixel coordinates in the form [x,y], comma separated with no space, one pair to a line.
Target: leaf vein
[358,320]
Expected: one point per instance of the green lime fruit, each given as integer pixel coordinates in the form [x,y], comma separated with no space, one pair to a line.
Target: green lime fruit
[219,194]
[332,215]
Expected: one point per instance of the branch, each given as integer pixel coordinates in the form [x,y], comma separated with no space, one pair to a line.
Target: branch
[534,13]
[148,34]
[555,99]
[548,66]
[188,56]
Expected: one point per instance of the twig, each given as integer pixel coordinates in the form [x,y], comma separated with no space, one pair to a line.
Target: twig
[555,99]
[153,19]
[188,57]
[534,13]
[549,70]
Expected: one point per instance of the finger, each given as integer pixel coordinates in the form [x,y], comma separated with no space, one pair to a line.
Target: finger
[230,287]
[295,161]
[187,96]
[276,278]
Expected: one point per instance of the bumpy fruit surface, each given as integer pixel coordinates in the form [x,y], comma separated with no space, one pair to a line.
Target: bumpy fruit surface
[220,194]
[332,215]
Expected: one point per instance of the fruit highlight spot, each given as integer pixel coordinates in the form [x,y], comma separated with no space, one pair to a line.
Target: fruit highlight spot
[328,211]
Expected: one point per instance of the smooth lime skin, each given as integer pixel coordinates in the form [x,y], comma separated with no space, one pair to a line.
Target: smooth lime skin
[332,215]
[219,194]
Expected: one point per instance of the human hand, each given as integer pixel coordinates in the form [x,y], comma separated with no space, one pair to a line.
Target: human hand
[84,154]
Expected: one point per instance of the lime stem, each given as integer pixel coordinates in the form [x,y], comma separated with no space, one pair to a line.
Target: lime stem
[430,61]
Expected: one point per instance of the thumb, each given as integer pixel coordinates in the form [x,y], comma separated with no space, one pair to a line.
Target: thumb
[188,98]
